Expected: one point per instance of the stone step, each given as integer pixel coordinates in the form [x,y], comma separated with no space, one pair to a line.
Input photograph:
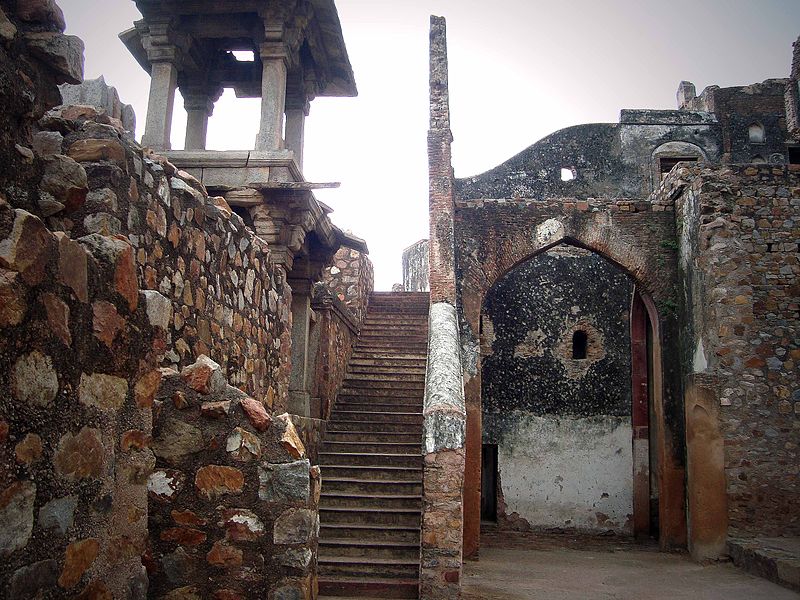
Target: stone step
[368,548]
[364,588]
[379,382]
[775,558]
[407,517]
[332,435]
[397,305]
[418,316]
[363,395]
[370,459]
[392,348]
[363,500]
[395,327]
[391,342]
[402,405]
[394,418]
[390,356]
[380,309]
[368,426]
[373,472]
[372,369]
[392,390]
[374,447]
[352,566]
[383,332]
[388,336]
[355,485]
[373,377]
[359,533]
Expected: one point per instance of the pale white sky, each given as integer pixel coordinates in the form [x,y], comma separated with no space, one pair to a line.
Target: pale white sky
[519,70]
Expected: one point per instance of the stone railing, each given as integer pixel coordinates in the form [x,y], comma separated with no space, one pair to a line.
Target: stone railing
[331,344]
[444,436]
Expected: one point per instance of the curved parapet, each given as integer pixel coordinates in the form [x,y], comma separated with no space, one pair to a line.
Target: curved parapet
[586,151]
[600,160]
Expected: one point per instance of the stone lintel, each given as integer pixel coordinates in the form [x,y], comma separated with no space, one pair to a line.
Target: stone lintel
[293,186]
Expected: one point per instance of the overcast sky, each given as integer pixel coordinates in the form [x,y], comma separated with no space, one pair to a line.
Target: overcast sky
[519,70]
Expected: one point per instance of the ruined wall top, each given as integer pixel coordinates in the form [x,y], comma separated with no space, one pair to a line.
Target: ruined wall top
[439,90]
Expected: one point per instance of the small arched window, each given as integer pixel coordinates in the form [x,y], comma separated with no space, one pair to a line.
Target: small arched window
[579,343]
[758,159]
[756,133]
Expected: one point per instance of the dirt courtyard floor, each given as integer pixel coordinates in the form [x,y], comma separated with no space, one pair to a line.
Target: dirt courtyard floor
[521,566]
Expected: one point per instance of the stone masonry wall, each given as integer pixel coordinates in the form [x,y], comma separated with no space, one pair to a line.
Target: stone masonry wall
[79,347]
[340,305]
[112,264]
[415,267]
[351,279]
[79,344]
[228,300]
[739,228]
[233,499]
[332,339]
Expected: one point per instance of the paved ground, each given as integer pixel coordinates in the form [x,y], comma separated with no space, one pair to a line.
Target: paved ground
[565,567]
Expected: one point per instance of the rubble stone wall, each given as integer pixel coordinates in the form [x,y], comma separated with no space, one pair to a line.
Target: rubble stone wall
[333,337]
[79,348]
[233,500]
[351,279]
[113,264]
[228,300]
[739,228]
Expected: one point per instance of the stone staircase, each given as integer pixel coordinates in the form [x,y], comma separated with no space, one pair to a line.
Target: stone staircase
[371,458]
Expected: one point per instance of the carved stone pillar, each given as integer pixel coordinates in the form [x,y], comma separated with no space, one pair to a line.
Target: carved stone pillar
[299,382]
[199,104]
[275,58]
[163,57]
[296,113]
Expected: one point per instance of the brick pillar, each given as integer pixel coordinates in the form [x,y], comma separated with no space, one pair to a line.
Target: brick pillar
[792,95]
[444,410]
[440,172]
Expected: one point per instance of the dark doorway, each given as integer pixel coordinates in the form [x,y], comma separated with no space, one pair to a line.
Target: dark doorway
[579,343]
[489,483]
[667,162]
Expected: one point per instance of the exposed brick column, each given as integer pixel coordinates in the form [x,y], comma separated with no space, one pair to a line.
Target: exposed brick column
[444,409]
[792,95]
[440,171]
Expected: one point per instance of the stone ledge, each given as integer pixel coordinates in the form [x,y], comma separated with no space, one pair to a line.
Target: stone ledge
[776,559]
